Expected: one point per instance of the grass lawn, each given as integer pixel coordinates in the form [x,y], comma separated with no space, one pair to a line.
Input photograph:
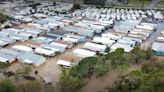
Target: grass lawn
[132,4]
[160,4]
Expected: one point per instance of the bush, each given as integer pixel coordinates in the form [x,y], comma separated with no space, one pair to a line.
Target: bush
[6,86]
[4,18]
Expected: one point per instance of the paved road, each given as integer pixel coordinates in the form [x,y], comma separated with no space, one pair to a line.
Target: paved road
[152,5]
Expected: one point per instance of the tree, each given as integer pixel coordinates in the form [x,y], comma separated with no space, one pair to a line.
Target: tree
[6,86]
[3,65]
[69,83]
[27,70]
[101,69]
[4,18]
[138,54]
[121,69]
[84,68]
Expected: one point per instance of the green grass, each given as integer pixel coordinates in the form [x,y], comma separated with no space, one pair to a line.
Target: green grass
[131,4]
[160,4]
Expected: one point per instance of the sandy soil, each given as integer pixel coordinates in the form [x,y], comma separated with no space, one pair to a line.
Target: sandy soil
[99,84]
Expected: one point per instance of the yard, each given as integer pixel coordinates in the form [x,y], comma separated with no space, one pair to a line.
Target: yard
[160,4]
[131,4]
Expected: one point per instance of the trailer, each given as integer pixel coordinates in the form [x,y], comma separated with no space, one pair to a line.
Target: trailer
[83,53]
[126,48]
[95,47]
[22,48]
[5,58]
[127,42]
[104,41]
[64,46]
[145,27]
[53,48]
[45,52]
[31,58]
[111,36]
[65,63]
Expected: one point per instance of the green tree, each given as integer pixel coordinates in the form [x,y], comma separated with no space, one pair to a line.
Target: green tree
[121,69]
[27,70]
[4,18]
[6,86]
[69,83]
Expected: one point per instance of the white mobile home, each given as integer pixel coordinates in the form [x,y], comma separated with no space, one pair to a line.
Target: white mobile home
[45,52]
[83,53]
[95,47]
[104,41]
[73,40]
[65,63]
[53,48]
[64,46]
[145,27]
[22,48]
[126,48]
[111,36]
[7,58]
[31,58]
